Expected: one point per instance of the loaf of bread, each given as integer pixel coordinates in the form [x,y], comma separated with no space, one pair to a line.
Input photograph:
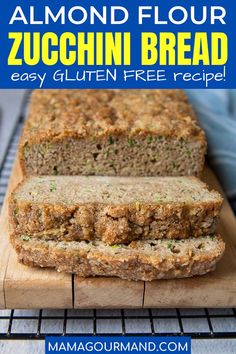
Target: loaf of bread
[112,132]
[140,260]
[113,209]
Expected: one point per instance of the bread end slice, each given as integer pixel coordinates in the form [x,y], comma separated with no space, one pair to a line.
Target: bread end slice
[140,260]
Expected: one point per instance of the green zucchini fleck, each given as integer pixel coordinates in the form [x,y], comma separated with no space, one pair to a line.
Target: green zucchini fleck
[16,211]
[25,238]
[131,142]
[111,140]
[53,186]
[55,171]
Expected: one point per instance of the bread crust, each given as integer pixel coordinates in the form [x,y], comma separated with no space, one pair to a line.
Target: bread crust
[104,113]
[131,264]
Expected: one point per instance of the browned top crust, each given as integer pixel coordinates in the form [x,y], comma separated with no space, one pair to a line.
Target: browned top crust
[55,114]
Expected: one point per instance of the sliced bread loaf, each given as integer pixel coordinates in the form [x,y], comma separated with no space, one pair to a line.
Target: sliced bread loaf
[113,209]
[112,132]
[140,260]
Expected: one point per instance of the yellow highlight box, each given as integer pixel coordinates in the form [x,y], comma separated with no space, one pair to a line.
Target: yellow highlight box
[164,48]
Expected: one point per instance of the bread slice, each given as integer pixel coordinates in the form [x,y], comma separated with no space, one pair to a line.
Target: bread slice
[140,260]
[112,132]
[113,209]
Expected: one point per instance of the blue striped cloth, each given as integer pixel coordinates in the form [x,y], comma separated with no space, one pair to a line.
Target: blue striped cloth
[216,110]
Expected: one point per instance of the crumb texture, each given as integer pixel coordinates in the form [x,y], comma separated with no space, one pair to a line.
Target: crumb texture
[114,190]
[113,209]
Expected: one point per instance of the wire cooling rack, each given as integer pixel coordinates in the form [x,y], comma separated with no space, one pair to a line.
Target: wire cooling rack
[36,324]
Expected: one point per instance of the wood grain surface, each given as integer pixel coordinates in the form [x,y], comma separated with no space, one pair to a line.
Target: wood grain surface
[108,293]
[25,287]
[22,286]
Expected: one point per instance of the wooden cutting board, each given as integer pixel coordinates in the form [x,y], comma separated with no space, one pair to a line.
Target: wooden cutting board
[25,287]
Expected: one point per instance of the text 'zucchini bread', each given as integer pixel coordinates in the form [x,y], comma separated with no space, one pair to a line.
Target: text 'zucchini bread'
[139,260]
[112,132]
[113,209]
